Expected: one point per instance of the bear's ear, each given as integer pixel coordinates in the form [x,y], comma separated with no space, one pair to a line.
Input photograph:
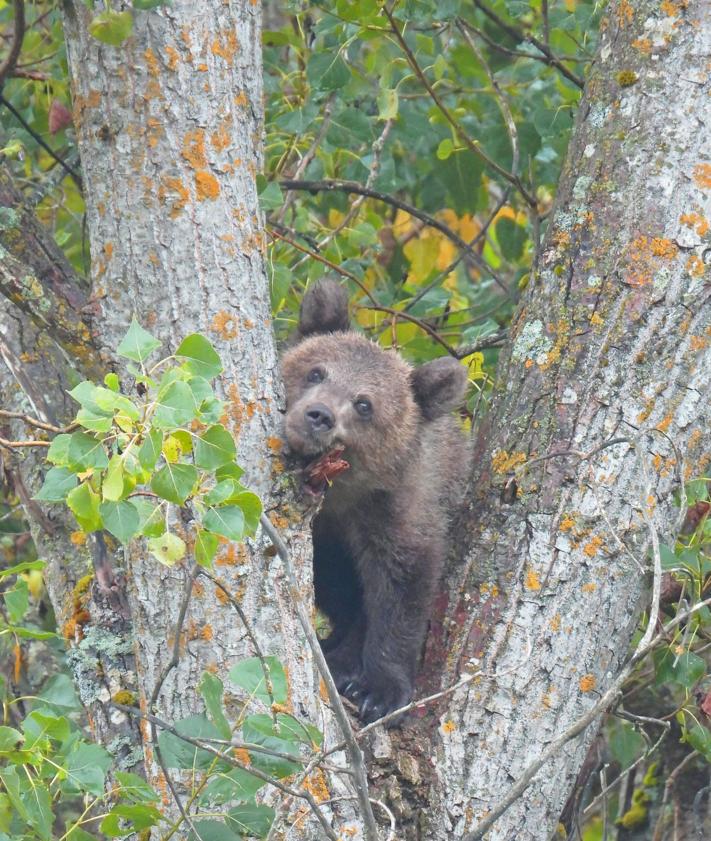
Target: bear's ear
[323,310]
[439,386]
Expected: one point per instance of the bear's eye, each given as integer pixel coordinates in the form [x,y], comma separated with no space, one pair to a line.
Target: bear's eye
[315,375]
[363,407]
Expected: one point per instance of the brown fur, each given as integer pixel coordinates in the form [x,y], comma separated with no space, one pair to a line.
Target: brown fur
[381,536]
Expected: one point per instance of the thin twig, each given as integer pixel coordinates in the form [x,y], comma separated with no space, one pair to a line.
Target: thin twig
[250,633]
[359,189]
[472,145]
[39,139]
[13,445]
[40,424]
[229,757]
[354,751]
[539,45]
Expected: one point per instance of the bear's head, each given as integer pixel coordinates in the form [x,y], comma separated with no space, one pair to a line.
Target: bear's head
[348,400]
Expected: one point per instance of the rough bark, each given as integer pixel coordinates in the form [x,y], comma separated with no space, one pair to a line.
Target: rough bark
[169,127]
[611,342]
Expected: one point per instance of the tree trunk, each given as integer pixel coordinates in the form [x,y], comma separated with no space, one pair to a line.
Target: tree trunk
[169,128]
[610,343]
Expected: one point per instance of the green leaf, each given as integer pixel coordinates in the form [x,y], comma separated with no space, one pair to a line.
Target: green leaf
[17,600]
[129,818]
[227,521]
[699,738]
[151,518]
[25,565]
[211,689]
[512,237]
[210,830]
[84,503]
[176,406]
[112,28]
[214,448]
[271,197]
[41,725]
[224,490]
[58,452]
[87,765]
[39,808]
[260,730]
[11,781]
[112,485]
[9,737]
[110,401]
[121,519]
[685,668]
[59,693]
[206,545]
[229,471]
[251,506]
[251,819]
[327,71]
[174,482]
[57,484]
[137,344]
[168,548]
[237,785]
[150,449]
[84,394]
[388,104]
[201,358]
[180,754]
[250,675]
[86,452]
[135,787]
[111,380]
[145,5]
[626,744]
[445,149]
[93,421]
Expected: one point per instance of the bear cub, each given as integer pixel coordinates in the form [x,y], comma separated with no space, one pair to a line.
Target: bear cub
[379,443]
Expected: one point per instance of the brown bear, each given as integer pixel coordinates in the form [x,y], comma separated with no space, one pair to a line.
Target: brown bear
[380,444]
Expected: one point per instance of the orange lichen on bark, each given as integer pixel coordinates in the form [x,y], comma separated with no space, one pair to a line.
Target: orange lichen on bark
[672,9]
[194,148]
[625,12]
[643,256]
[174,185]
[151,62]
[173,57]
[235,407]
[696,221]
[702,176]
[206,185]
[316,784]
[275,444]
[503,462]
[220,138]
[698,342]
[590,587]
[206,632]
[533,581]
[642,45]
[231,554]
[695,266]
[587,683]
[664,424]
[241,99]
[242,755]
[279,522]
[449,726]
[225,325]
[567,523]
[78,538]
[555,623]
[225,46]
[591,547]
[221,596]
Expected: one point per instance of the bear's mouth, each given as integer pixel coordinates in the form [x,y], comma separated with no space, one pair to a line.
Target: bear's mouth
[319,473]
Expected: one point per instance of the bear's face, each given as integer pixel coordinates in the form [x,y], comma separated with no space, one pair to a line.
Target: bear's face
[346,393]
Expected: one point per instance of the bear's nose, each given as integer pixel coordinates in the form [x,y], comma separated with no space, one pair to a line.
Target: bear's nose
[320,418]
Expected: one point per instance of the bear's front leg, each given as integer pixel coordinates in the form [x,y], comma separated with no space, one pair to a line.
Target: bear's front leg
[397,606]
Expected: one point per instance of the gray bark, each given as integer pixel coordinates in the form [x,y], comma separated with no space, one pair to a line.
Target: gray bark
[611,341]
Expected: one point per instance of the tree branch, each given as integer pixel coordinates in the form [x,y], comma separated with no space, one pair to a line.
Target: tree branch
[548,56]
[8,66]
